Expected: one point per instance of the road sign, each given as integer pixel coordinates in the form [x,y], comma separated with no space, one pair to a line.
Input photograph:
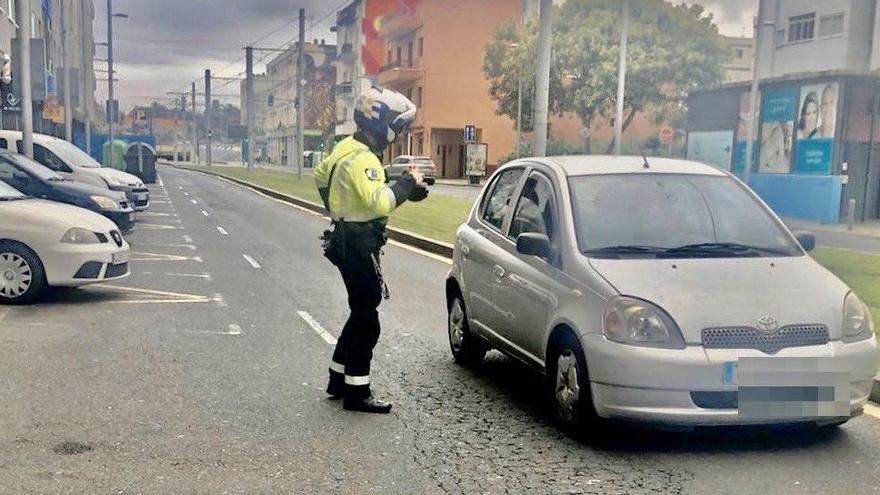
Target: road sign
[666,134]
[470,133]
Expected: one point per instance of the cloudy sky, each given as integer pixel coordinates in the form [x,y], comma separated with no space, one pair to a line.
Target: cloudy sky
[166,44]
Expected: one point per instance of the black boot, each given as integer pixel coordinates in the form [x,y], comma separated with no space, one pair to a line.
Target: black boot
[367,404]
[336,386]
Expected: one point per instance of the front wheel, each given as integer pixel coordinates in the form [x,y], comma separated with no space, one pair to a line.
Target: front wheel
[569,385]
[467,349]
[22,278]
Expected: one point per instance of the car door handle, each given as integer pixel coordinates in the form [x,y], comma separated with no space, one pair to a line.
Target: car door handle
[465,250]
[498,271]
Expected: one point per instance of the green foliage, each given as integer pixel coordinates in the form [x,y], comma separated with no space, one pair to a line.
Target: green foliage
[554,148]
[671,50]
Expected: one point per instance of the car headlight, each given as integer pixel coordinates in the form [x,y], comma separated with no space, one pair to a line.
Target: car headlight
[636,322]
[105,203]
[857,322]
[114,182]
[80,236]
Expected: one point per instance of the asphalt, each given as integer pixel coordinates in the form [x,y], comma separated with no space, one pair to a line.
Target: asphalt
[199,374]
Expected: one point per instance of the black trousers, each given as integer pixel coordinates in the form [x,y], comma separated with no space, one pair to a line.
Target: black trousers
[354,349]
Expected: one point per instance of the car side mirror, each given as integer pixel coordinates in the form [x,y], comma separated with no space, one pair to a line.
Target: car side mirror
[806,239]
[533,244]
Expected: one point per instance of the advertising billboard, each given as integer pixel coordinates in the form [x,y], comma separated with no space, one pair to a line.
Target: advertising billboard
[777,127]
[817,120]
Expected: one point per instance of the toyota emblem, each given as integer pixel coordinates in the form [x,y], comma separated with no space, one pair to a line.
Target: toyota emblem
[768,323]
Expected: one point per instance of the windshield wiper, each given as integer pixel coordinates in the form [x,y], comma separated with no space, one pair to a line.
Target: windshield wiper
[625,249]
[724,249]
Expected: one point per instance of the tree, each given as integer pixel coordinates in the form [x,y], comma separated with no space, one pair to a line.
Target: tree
[672,49]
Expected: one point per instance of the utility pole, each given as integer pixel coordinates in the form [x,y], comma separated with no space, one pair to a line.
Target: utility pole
[208,112]
[621,76]
[195,124]
[86,98]
[542,83]
[24,73]
[300,107]
[753,93]
[249,90]
[65,60]
[111,114]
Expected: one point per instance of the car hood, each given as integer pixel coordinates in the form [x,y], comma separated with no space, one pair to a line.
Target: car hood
[38,212]
[723,292]
[110,173]
[81,189]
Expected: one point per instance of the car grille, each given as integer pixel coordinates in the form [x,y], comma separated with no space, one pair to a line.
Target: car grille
[90,270]
[770,343]
[715,400]
[117,237]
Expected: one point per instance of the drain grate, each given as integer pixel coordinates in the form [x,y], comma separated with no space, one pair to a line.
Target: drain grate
[71,448]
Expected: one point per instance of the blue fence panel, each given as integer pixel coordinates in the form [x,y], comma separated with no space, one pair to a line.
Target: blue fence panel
[815,198]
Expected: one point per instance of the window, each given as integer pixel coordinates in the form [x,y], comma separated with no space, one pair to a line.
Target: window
[420,102]
[495,208]
[408,94]
[4,143]
[421,47]
[535,211]
[830,25]
[389,55]
[801,27]
[47,158]
[739,53]
[409,54]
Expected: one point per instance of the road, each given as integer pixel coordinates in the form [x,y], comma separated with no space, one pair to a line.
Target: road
[201,374]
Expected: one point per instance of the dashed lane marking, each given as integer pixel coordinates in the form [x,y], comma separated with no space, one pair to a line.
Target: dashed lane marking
[324,334]
[222,231]
[205,213]
[193,201]
[252,261]
[186,194]
[187,239]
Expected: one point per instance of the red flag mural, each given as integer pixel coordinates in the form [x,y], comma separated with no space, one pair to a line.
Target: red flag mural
[375,13]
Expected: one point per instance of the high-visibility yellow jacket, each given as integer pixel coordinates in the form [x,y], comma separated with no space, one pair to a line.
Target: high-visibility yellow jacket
[357,191]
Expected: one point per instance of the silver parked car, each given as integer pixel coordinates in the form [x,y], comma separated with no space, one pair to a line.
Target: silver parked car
[656,290]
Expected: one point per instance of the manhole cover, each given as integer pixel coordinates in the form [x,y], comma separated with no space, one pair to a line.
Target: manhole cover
[70,448]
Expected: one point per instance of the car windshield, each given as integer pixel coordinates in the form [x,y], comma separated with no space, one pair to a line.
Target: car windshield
[8,192]
[673,215]
[41,171]
[71,154]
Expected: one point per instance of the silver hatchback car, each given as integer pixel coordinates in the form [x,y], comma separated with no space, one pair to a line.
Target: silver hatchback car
[656,290]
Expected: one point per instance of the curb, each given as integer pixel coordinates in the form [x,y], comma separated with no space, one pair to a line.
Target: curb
[875,390]
[399,235]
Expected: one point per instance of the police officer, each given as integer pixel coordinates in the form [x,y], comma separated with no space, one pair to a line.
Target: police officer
[352,185]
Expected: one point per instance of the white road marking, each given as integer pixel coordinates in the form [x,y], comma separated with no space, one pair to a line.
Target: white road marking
[186,194]
[222,231]
[156,226]
[206,276]
[187,239]
[218,298]
[4,313]
[205,213]
[136,256]
[252,261]
[324,334]
[156,244]
[193,201]
[872,410]
[180,187]
[159,297]
[156,214]
[234,330]
[435,257]
[159,181]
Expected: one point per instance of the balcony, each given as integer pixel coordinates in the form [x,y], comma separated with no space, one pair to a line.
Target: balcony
[398,24]
[346,52]
[343,89]
[395,73]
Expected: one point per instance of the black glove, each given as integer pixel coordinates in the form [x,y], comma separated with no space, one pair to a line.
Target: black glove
[417,194]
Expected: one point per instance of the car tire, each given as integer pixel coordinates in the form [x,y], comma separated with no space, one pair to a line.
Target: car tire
[467,349]
[22,277]
[568,384]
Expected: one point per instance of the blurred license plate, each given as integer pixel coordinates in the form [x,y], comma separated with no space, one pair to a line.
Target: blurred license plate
[790,387]
[140,197]
[120,258]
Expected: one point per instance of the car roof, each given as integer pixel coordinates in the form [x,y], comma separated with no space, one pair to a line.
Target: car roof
[413,157]
[38,138]
[574,165]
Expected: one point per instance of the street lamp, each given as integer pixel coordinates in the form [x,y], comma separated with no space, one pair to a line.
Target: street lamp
[110,96]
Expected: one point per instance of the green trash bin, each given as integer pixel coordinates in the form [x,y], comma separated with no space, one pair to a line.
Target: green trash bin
[114,158]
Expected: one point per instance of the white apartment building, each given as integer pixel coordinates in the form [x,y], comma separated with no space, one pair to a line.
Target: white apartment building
[820,35]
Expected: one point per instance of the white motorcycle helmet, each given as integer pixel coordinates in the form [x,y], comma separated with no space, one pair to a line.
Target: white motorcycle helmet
[383,115]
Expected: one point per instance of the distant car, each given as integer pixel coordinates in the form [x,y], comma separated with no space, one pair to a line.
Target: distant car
[74,163]
[404,163]
[659,291]
[37,181]
[44,243]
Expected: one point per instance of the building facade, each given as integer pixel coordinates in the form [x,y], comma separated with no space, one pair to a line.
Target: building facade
[261,103]
[739,67]
[319,111]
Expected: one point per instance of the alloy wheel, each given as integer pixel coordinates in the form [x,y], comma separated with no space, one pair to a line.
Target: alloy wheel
[15,275]
[456,326]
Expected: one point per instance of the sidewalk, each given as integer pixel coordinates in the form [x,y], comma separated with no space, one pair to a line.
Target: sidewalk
[864,237]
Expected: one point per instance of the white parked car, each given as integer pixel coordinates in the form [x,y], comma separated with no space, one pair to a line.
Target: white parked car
[44,243]
[656,290]
[75,164]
